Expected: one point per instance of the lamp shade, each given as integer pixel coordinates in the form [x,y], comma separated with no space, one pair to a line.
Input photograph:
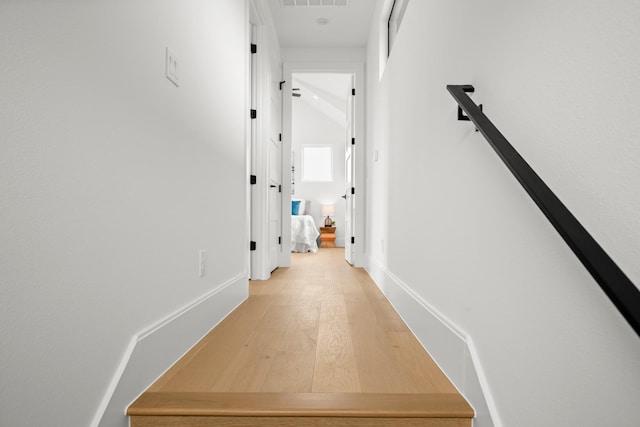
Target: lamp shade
[327,210]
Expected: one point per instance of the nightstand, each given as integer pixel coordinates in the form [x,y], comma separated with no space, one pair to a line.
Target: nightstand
[327,237]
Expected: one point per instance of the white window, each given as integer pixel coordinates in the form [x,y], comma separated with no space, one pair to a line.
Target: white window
[317,163]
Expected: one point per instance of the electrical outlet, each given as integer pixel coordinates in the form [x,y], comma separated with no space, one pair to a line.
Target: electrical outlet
[171,68]
[203,263]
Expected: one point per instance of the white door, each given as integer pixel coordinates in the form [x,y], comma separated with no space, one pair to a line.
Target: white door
[349,163]
[275,165]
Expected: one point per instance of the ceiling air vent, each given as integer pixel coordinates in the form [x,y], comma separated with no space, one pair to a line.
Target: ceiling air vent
[289,3]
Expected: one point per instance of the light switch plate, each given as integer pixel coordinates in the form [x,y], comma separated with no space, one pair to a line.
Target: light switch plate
[172,67]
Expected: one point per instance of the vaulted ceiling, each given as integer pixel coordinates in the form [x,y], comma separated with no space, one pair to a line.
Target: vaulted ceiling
[325,92]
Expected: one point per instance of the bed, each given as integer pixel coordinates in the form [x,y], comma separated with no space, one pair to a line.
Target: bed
[304,233]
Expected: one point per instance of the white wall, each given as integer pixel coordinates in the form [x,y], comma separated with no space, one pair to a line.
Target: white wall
[311,126]
[112,179]
[561,80]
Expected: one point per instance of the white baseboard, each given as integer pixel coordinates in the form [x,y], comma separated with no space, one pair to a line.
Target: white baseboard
[151,352]
[451,348]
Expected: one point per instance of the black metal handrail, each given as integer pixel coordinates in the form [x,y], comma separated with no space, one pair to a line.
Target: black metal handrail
[620,290]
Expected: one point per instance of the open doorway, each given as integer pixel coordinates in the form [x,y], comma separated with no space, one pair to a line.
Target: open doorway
[323,120]
[319,135]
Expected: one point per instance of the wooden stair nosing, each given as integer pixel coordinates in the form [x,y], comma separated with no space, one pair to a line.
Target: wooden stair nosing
[389,405]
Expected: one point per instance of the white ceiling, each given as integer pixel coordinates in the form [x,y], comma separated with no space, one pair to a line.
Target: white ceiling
[348,25]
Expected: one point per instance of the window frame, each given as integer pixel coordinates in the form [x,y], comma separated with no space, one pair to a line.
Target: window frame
[394,22]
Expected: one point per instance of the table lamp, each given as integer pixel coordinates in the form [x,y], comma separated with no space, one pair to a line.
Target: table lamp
[327,211]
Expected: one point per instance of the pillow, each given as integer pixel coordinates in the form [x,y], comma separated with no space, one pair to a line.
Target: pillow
[303,206]
[295,207]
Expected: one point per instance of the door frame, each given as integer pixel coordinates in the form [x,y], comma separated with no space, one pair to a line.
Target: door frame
[349,173]
[267,51]
[357,69]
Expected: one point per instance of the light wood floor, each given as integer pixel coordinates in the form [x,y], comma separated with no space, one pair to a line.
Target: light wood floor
[317,344]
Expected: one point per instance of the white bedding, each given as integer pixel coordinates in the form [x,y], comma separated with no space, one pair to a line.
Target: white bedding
[304,234]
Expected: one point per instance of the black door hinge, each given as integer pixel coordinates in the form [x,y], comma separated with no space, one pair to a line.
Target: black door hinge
[353,190]
[353,141]
[254,114]
[279,188]
[280,137]
[254,48]
[280,240]
[281,83]
[253,179]
[353,240]
[353,92]
[252,245]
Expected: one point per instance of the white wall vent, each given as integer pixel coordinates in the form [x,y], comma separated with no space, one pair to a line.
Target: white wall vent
[316,3]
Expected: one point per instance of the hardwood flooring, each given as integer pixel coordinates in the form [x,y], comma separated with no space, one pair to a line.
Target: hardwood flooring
[316,345]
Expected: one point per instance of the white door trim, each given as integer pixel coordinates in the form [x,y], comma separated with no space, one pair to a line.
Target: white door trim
[249,16]
[357,69]
[259,258]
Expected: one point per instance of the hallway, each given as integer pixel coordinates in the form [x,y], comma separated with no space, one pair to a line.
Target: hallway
[125,174]
[319,341]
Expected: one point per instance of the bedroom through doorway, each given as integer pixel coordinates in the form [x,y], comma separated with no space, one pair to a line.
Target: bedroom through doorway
[322,159]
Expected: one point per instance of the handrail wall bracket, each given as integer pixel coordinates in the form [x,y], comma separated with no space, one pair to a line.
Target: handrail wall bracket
[461,116]
[620,290]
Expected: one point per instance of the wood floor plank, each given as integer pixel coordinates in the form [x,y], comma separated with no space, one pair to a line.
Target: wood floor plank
[293,365]
[335,368]
[251,365]
[378,369]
